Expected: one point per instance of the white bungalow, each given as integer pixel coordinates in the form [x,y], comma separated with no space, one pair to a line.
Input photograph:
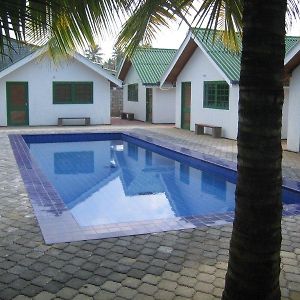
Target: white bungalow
[292,69]
[34,91]
[142,94]
[207,83]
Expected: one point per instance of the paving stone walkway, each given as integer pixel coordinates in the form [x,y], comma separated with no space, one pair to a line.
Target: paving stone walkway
[188,264]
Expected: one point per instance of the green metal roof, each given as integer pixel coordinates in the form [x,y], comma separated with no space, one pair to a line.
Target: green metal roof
[228,61]
[14,53]
[151,63]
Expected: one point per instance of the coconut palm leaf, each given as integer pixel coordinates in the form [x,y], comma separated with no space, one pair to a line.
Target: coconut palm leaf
[148,17]
[62,24]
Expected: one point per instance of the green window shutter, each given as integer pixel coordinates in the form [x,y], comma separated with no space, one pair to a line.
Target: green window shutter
[83,92]
[216,95]
[133,92]
[62,93]
[72,92]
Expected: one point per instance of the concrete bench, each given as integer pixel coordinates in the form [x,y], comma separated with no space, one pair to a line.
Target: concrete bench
[216,130]
[128,116]
[87,121]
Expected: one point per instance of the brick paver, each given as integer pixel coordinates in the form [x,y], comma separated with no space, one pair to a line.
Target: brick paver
[189,264]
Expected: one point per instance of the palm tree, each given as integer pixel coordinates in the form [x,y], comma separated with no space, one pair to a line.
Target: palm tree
[94,53]
[254,263]
[254,260]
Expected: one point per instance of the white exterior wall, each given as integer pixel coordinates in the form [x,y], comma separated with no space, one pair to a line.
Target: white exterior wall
[285,111]
[163,105]
[197,70]
[138,108]
[293,130]
[40,75]
[163,101]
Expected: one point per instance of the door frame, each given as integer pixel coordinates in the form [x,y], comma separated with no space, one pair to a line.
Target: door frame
[183,83]
[8,105]
[147,95]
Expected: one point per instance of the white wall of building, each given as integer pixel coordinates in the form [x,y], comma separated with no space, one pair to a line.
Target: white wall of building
[293,129]
[163,105]
[138,108]
[40,75]
[285,112]
[197,70]
[163,101]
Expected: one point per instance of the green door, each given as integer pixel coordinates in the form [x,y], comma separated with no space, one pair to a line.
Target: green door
[17,103]
[185,105]
[149,105]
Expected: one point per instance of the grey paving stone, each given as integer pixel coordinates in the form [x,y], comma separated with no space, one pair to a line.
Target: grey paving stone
[8,293]
[167,285]
[67,293]
[111,286]
[184,291]
[131,282]
[41,280]
[147,289]
[139,296]
[53,286]
[89,289]
[22,297]
[44,296]
[126,292]
[135,273]
[104,295]
[31,290]
[163,295]
[203,296]
[151,279]
[82,297]
[169,275]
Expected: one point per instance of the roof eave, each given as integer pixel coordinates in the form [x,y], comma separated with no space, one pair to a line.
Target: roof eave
[124,68]
[176,58]
[211,60]
[292,59]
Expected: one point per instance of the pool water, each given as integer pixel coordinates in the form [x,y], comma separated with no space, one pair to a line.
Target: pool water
[115,181]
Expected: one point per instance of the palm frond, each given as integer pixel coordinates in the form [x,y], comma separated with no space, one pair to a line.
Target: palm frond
[148,17]
[63,24]
[293,13]
[224,17]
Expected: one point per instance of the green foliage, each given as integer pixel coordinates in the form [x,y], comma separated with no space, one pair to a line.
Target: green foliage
[94,53]
[63,25]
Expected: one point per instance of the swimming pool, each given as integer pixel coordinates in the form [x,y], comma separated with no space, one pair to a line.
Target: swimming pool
[85,186]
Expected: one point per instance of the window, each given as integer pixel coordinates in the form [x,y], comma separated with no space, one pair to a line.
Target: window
[133,151]
[216,95]
[185,173]
[74,162]
[72,92]
[133,91]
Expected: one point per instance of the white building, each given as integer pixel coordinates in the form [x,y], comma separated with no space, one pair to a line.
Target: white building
[292,69]
[142,93]
[207,83]
[35,91]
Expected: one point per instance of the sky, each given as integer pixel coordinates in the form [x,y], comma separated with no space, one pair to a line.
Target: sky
[170,38]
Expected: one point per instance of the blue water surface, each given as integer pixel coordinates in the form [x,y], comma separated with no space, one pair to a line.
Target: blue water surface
[116,181]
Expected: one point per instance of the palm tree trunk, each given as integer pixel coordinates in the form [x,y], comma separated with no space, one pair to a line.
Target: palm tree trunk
[254,256]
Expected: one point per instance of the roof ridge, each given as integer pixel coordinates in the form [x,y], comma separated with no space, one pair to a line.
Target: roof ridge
[141,48]
[218,30]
